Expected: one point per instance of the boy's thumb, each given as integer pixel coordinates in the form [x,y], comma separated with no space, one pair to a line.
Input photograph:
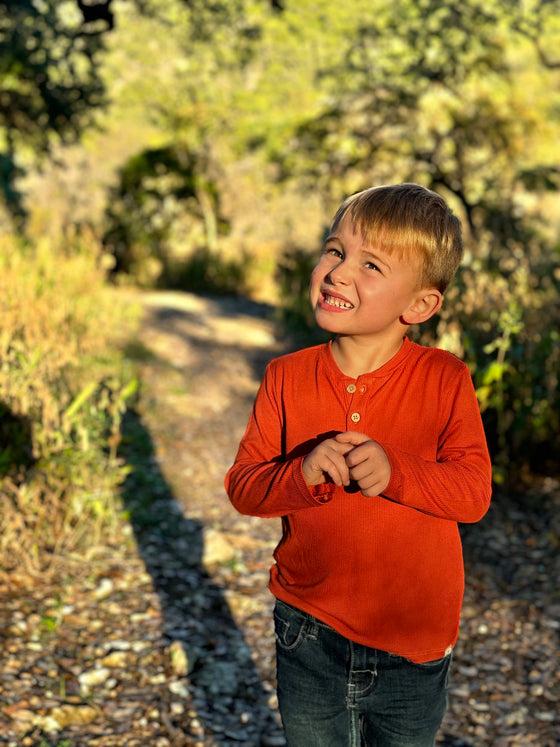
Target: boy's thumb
[351,437]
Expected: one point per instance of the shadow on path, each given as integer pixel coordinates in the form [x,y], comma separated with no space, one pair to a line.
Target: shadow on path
[226,701]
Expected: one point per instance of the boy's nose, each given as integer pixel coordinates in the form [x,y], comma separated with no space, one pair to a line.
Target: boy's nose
[340,273]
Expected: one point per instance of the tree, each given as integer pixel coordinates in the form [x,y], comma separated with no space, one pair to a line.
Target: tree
[167,203]
[49,80]
[162,208]
[441,92]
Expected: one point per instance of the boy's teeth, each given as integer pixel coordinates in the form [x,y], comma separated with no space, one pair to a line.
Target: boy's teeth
[337,302]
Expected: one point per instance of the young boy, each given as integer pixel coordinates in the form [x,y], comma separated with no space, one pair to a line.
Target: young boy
[371,449]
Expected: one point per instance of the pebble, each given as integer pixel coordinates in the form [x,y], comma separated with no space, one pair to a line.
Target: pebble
[104,590]
[93,678]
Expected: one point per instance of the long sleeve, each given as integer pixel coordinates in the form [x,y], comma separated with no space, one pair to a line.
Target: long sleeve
[424,413]
[262,482]
[456,484]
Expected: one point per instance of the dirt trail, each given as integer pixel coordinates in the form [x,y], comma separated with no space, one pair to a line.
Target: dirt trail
[199,379]
[206,358]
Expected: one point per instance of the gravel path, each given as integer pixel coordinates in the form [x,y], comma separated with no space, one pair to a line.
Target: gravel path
[167,639]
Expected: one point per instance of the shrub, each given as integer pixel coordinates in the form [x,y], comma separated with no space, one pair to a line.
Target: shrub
[503,321]
[163,210]
[293,273]
[62,395]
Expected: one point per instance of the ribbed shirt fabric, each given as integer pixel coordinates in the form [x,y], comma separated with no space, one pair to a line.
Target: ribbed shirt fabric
[386,572]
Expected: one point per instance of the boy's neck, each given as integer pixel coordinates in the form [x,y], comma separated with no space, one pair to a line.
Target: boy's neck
[355,356]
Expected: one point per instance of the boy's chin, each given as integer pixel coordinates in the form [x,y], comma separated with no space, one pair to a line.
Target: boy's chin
[325,326]
[329,322]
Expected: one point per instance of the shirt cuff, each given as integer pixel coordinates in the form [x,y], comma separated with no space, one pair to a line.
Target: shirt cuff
[318,494]
[393,490]
[322,493]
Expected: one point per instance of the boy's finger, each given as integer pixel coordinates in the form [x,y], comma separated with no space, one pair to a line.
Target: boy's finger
[343,448]
[338,472]
[352,437]
[357,455]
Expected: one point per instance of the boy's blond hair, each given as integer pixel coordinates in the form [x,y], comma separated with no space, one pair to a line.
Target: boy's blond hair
[412,221]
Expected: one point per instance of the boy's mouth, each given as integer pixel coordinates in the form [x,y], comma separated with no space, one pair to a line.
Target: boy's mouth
[336,301]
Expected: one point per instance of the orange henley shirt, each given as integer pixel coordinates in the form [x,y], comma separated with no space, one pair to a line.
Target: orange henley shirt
[386,572]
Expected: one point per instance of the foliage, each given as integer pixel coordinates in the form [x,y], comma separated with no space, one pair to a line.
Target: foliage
[162,210]
[164,217]
[462,97]
[49,80]
[210,272]
[63,396]
[441,93]
[505,326]
[293,273]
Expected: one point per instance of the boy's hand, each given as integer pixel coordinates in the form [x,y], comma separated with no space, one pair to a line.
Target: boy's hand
[366,461]
[327,460]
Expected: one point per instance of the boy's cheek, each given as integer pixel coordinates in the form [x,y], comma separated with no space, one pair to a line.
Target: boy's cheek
[314,291]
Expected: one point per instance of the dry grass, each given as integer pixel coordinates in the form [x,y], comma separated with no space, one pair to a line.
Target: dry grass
[62,392]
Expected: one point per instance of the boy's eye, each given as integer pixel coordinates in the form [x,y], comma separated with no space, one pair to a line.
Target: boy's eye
[332,250]
[372,266]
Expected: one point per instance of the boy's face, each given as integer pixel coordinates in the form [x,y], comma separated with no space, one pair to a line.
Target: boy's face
[359,290]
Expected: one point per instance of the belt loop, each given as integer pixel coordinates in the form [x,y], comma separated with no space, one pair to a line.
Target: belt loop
[312,627]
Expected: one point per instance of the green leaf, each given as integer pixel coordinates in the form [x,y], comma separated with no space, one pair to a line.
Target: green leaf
[82,397]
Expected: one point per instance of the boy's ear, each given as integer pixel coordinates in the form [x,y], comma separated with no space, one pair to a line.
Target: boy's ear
[427,303]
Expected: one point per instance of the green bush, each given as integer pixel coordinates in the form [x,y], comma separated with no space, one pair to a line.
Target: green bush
[511,342]
[163,219]
[293,273]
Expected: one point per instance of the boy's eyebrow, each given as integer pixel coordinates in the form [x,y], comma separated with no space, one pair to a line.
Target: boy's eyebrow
[377,258]
[365,250]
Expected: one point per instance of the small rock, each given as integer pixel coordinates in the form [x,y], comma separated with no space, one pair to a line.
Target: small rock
[179,659]
[180,688]
[105,589]
[73,714]
[217,548]
[93,677]
[273,740]
[115,659]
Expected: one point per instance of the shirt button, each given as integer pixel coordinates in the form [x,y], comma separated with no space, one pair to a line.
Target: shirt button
[351,388]
[355,417]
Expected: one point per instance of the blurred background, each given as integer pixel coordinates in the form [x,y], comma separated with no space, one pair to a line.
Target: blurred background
[202,147]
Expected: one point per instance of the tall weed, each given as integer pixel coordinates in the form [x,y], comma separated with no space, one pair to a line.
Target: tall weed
[63,389]
[508,322]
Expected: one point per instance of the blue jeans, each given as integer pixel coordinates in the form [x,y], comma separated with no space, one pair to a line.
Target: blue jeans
[333,692]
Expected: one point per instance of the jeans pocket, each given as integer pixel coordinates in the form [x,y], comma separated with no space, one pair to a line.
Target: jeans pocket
[438,669]
[289,626]
[435,665]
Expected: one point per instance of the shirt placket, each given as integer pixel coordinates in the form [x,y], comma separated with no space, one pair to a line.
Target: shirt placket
[355,410]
